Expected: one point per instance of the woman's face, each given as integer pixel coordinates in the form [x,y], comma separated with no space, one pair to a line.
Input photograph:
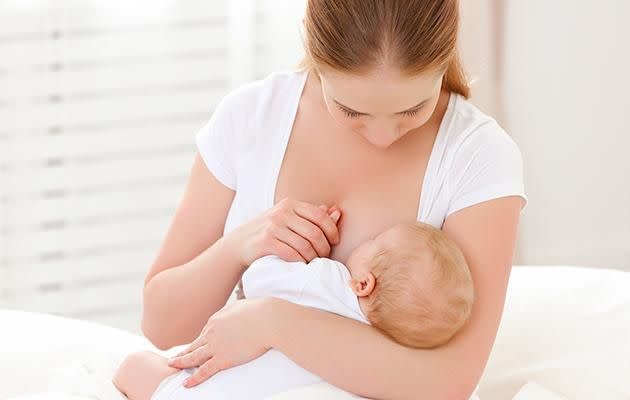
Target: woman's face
[383,105]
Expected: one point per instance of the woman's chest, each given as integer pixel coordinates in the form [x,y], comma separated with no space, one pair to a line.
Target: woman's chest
[375,189]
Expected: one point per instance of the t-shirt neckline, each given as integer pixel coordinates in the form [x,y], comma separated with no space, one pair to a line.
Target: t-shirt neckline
[280,152]
[437,150]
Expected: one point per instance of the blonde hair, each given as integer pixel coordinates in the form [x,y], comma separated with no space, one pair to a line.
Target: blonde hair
[357,35]
[424,291]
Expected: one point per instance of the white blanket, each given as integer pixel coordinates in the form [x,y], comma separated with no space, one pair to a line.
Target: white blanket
[564,336]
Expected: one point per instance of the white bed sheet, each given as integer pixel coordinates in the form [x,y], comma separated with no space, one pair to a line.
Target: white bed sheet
[565,332]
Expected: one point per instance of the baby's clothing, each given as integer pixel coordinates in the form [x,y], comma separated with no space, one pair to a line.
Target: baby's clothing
[322,283]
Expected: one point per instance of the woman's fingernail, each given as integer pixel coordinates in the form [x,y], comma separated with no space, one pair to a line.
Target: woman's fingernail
[335,215]
[186,382]
[171,361]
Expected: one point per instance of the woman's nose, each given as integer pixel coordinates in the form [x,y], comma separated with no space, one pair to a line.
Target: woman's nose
[383,134]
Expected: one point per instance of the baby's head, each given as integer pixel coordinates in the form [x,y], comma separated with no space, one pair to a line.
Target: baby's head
[413,284]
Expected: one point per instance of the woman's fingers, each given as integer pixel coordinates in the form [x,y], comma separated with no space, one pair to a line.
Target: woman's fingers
[193,359]
[205,371]
[319,217]
[286,252]
[310,238]
[297,237]
[335,215]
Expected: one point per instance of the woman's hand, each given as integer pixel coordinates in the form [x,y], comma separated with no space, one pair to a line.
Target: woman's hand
[293,230]
[233,336]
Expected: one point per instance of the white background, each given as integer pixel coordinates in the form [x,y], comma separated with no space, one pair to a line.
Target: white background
[99,103]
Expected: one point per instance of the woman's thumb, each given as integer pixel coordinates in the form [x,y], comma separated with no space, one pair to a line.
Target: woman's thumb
[335,215]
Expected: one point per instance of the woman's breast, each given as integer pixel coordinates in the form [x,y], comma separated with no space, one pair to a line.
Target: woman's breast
[365,217]
[371,201]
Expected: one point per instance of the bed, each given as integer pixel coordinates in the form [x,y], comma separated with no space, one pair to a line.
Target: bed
[565,334]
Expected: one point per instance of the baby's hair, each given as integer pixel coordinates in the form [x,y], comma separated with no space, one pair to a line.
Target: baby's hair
[424,291]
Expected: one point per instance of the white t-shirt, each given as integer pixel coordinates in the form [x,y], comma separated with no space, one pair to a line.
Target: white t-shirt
[243,144]
[322,283]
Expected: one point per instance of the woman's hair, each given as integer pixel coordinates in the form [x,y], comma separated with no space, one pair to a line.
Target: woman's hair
[357,35]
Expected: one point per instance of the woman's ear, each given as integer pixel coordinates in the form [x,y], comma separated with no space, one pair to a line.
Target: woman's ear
[365,286]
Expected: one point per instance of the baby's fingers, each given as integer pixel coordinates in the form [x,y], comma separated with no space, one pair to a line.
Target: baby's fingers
[202,373]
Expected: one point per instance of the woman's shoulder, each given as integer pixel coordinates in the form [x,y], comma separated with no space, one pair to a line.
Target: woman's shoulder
[259,95]
[249,115]
[471,131]
[481,160]
[469,123]
[255,106]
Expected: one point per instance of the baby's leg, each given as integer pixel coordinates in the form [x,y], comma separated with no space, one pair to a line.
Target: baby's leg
[140,373]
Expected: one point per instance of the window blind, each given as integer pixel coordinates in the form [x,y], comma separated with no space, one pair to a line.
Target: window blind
[99,102]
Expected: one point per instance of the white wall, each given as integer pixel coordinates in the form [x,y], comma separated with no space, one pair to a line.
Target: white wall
[566,89]
[478,46]
[99,103]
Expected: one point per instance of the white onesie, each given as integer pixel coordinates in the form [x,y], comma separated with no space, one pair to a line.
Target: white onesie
[322,283]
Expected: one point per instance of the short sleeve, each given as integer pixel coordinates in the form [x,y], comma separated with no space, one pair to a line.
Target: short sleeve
[216,140]
[487,165]
[271,276]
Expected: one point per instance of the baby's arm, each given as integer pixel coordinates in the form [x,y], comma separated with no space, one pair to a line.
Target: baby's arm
[326,287]
[140,373]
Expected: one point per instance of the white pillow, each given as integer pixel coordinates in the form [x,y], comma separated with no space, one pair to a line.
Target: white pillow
[566,328]
[36,346]
[324,391]
[533,391]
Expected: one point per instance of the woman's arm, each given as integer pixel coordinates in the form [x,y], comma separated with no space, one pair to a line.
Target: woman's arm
[191,260]
[197,268]
[359,359]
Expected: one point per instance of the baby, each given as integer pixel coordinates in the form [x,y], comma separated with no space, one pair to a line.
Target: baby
[411,282]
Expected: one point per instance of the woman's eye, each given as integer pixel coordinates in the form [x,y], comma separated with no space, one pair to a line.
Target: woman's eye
[350,114]
[411,113]
[354,114]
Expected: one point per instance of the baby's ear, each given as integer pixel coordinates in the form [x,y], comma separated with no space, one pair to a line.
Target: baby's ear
[355,285]
[370,282]
[365,286]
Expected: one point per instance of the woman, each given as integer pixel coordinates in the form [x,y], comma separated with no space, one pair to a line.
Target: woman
[376,123]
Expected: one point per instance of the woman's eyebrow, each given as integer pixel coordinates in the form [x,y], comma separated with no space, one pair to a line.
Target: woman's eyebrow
[423,102]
